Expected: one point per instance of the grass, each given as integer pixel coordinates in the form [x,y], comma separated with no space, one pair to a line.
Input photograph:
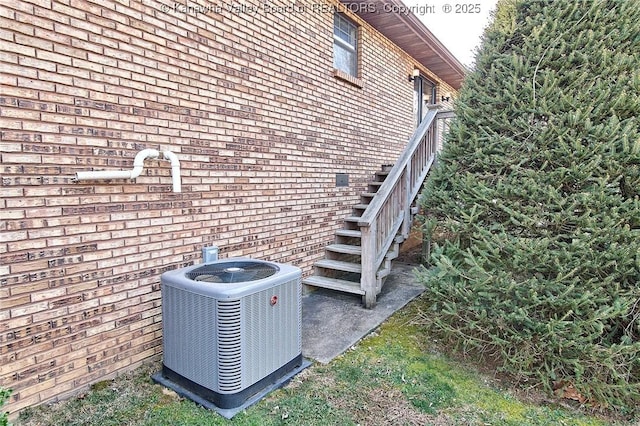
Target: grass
[395,376]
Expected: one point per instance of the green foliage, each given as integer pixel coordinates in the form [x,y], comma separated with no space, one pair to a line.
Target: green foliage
[537,200]
[4,396]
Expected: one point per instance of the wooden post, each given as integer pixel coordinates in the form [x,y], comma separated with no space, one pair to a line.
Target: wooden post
[369,268]
[406,200]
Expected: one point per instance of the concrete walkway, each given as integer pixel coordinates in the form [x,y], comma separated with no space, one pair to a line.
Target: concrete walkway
[332,322]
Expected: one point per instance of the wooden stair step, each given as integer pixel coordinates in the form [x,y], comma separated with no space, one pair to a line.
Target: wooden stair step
[339,265]
[368,194]
[394,251]
[361,206]
[349,233]
[334,284]
[355,219]
[344,248]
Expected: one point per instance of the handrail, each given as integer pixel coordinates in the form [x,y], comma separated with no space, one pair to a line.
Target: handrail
[368,216]
[390,208]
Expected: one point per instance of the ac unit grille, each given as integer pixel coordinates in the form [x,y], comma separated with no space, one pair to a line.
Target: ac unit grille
[233,272]
[229,345]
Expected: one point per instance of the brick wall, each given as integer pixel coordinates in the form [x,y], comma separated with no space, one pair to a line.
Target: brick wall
[247,101]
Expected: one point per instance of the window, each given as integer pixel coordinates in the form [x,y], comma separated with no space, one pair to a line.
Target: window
[345,45]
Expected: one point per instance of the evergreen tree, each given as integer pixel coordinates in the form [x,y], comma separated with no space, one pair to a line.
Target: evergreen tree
[534,206]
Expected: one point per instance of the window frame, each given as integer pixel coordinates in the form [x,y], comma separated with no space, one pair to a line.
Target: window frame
[419,85]
[351,76]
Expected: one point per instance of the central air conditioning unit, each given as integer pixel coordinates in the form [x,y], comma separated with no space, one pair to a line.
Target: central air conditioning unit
[231,329]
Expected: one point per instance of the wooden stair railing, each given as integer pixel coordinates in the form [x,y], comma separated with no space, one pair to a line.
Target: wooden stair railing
[361,257]
[389,213]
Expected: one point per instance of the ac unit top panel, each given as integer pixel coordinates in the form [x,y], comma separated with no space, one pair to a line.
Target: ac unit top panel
[230,278]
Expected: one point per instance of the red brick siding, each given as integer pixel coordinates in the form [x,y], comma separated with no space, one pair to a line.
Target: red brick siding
[248,103]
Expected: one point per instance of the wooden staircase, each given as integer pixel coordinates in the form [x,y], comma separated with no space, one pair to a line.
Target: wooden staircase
[360,258]
[341,269]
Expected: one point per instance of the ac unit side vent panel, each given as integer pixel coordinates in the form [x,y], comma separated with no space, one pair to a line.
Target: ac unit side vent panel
[229,345]
[271,341]
[183,327]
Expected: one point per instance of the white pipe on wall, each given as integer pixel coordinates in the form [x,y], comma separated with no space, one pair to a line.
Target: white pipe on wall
[175,170]
[138,166]
[138,161]
[104,174]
